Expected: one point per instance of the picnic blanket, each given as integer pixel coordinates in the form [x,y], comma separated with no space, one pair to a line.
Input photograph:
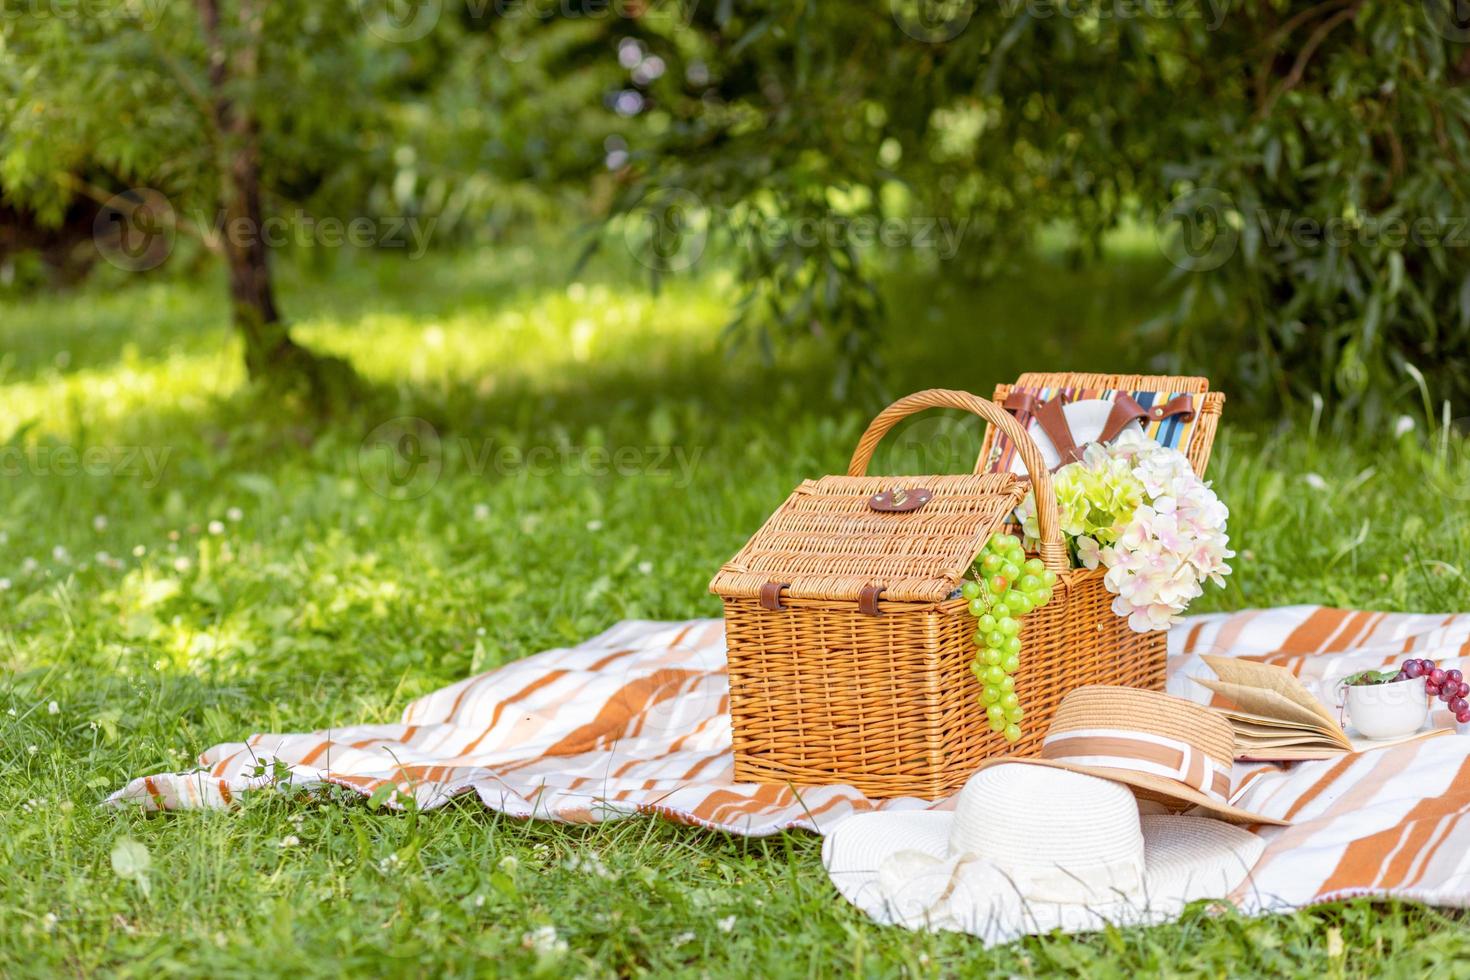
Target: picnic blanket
[636,720]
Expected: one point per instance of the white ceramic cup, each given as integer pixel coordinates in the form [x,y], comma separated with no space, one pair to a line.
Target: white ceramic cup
[1388,710]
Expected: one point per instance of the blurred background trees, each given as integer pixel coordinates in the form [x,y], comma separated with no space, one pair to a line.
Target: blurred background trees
[1300,164]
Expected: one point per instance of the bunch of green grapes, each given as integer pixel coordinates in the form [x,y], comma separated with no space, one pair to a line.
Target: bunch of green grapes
[1005,587]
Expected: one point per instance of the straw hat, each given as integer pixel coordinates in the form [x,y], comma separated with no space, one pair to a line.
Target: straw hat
[1029,849]
[1170,750]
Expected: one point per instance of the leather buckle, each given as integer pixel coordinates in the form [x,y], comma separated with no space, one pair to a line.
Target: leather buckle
[868,600]
[771,595]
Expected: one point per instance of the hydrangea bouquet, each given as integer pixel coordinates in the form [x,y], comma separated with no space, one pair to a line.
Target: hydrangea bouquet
[1139,510]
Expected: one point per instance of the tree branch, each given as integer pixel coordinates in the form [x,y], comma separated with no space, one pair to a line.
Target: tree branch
[1299,68]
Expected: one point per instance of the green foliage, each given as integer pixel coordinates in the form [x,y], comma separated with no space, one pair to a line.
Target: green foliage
[1300,160]
[315,599]
[110,94]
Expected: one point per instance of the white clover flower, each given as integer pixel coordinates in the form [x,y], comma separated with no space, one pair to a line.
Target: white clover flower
[482,512]
[726,924]
[545,941]
[216,527]
[234,515]
[53,708]
[290,840]
[99,523]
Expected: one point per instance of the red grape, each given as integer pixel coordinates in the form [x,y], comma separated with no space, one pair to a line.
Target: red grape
[1463,717]
[1459,704]
[1465,689]
[1437,676]
[1454,675]
[1400,676]
[1431,688]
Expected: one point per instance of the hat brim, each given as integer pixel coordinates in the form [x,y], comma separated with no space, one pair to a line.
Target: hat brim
[1186,859]
[1167,791]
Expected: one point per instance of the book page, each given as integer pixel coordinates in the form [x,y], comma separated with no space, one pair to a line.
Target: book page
[1268,707]
[1248,673]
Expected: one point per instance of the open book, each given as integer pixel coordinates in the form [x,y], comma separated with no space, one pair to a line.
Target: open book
[1276,718]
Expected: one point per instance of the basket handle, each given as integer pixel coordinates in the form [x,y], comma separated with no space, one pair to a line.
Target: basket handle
[1053,551]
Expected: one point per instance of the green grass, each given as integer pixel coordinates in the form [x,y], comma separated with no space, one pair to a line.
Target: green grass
[315,599]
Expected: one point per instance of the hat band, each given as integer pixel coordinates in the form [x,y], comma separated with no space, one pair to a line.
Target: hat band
[1142,752]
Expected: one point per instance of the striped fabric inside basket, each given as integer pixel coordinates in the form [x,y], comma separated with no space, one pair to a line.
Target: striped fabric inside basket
[1172,432]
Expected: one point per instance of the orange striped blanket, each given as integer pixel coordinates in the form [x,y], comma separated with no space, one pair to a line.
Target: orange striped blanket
[635,721]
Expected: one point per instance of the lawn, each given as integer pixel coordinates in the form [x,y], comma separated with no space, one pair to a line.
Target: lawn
[182,565]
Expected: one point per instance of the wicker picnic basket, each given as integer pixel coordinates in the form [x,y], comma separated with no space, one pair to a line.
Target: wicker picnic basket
[850,649]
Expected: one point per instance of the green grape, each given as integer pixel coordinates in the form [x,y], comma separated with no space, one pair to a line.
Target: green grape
[978,607]
[1013,646]
[1011,571]
[997,726]
[1009,700]
[1009,626]
[986,623]
[998,585]
[990,694]
[978,639]
[1019,604]
[1034,566]
[993,657]
[995,712]
[1014,715]
[1042,597]
[998,540]
[991,563]
[1010,664]
[979,671]
[994,675]
[1007,684]
[971,590]
[995,639]
[1013,733]
[1001,607]
[1027,583]
[1049,578]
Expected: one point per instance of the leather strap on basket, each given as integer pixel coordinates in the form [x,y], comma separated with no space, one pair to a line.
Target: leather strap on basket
[868,600]
[1052,550]
[771,595]
[1050,416]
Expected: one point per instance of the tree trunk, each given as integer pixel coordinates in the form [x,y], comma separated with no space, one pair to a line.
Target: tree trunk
[271,355]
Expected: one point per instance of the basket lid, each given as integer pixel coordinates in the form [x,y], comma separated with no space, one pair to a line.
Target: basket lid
[837,536]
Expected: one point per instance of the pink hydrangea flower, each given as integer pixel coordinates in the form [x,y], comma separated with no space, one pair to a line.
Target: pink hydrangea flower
[1137,509]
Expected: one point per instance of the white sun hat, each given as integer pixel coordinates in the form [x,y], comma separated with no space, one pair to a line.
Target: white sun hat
[1031,848]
